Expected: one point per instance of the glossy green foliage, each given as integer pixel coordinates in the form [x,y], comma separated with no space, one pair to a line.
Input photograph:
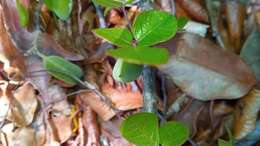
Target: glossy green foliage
[62,69]
[117,36]
[112,3]
[23,13]
[173,134]
[141,55]
[62,8]
[141,129]
[126,72]
[152,27]
[149,28]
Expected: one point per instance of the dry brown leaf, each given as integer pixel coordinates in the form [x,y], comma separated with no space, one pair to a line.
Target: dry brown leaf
[204,71]
[235,12]
[180,12]
[194,9]
[246,115]
[51,134]
[52,47]
[62,125]
[39,127]
[14,63]
[123,100]
[27,102]
[22,107]
[90,124]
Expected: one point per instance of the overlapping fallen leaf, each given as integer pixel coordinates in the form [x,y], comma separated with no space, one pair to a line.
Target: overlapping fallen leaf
[209,87]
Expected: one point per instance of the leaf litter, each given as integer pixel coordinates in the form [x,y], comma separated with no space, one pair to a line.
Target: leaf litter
[220,89]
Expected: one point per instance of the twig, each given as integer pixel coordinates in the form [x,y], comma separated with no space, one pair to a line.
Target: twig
[164,93]
[102,22]
[145,4]
[149,92]
[38,16]
[177,104]
[129,25]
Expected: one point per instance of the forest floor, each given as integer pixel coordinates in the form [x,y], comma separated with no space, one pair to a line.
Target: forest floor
[212,87]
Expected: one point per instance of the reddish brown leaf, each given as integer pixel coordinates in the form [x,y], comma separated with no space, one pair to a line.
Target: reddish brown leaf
[123,100]
[14,63]
[194,9]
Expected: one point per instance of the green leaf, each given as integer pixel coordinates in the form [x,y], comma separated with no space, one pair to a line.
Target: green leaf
[141,129]
[182,21]
[112,3]
[152,27]
[62,69]
[173,134]
[23,13]
[141,55]
[224,143]
[117,36]
[126,72]
[62,8]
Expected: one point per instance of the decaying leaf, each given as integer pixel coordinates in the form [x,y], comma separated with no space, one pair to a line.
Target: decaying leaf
[246,115]
[204,71]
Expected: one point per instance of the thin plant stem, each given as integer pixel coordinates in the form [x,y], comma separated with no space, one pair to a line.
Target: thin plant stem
[129,25]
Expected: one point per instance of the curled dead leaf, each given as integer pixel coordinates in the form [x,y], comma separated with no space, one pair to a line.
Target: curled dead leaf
[246,115]
[235,12]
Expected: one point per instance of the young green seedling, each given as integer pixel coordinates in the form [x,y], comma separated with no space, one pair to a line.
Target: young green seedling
[135,43]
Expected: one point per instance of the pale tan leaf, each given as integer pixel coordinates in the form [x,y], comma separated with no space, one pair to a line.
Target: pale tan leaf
[24,136]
